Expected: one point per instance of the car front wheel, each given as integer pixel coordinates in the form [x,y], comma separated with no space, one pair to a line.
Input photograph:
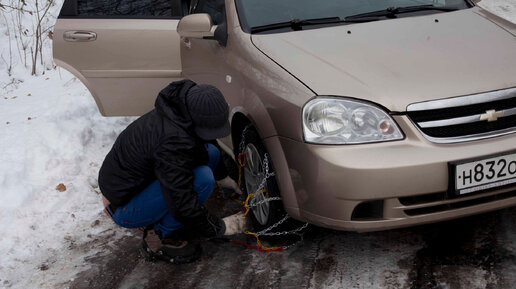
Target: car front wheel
[266,207]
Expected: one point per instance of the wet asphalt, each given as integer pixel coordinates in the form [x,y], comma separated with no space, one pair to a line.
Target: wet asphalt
[473,252]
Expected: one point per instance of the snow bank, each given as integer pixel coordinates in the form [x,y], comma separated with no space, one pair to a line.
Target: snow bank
[51,133]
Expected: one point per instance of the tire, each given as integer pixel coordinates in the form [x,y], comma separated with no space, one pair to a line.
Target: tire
[269,213]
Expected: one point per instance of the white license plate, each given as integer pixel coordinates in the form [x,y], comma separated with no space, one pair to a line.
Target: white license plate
[483,174]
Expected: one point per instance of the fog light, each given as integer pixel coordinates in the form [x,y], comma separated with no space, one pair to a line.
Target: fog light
[368,211]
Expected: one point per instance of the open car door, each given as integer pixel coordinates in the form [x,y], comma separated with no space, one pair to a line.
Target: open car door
[124,51]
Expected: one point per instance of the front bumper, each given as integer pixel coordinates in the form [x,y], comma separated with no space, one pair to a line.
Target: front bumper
[401,183]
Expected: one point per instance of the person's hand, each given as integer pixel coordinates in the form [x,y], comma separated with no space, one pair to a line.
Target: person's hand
[228,187]
[235,224]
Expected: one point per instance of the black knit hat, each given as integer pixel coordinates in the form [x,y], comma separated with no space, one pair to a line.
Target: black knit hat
[209,111]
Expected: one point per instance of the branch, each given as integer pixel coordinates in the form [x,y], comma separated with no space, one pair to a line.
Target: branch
[46,30]
[49,4]
[4,6]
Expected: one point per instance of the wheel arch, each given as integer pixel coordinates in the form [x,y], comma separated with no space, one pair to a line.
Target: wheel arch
[238,123]
[84,81]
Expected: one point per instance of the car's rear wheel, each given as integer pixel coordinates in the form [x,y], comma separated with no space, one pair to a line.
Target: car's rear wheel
[263,213]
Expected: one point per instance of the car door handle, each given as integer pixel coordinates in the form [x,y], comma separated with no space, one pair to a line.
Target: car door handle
[79,36]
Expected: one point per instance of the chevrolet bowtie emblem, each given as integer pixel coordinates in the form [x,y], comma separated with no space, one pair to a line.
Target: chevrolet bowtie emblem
[491,115]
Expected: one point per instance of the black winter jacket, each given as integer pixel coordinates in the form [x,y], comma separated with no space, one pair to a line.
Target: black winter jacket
[161,145]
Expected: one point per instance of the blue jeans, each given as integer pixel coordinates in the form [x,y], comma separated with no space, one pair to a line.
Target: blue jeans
[149,207]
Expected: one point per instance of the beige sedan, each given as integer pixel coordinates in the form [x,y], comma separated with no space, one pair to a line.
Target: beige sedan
[364,115]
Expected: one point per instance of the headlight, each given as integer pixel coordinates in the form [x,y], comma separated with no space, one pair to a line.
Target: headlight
[329,120]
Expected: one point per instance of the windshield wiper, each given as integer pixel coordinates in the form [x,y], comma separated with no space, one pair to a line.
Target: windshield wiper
[296,24]
[391,12]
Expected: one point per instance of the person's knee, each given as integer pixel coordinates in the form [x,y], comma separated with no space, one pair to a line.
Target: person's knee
[204,182]
[213,154]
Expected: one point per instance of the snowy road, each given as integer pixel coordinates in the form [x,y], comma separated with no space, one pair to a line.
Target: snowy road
[476,252]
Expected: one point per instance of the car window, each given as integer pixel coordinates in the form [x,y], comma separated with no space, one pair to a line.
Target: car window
[123,8]
[254,13]
[213,7]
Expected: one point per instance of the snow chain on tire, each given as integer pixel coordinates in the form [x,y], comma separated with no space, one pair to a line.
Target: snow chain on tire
[262,190]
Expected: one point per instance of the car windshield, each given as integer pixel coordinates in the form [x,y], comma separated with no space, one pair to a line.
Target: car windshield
[260,13]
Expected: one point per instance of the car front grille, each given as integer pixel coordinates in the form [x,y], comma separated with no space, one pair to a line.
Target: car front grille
[467,117]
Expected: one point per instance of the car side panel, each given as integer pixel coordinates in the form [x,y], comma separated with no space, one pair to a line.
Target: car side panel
[127,64]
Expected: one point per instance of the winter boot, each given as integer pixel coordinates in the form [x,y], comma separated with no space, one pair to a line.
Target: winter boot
[170,250]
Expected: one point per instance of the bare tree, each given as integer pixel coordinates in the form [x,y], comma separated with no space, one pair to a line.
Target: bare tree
[14,10]
[10,63]
[21,33]
[37,49]
[27,40]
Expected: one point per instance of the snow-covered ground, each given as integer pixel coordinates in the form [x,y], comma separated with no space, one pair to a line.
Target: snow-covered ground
[51,133]
[503,8]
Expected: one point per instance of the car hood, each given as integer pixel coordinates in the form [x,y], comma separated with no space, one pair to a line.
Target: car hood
[398,62]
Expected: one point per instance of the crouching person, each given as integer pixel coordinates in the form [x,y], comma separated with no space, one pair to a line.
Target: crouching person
[163,167]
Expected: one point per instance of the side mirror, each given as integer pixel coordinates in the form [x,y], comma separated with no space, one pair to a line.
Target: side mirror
[196,26]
